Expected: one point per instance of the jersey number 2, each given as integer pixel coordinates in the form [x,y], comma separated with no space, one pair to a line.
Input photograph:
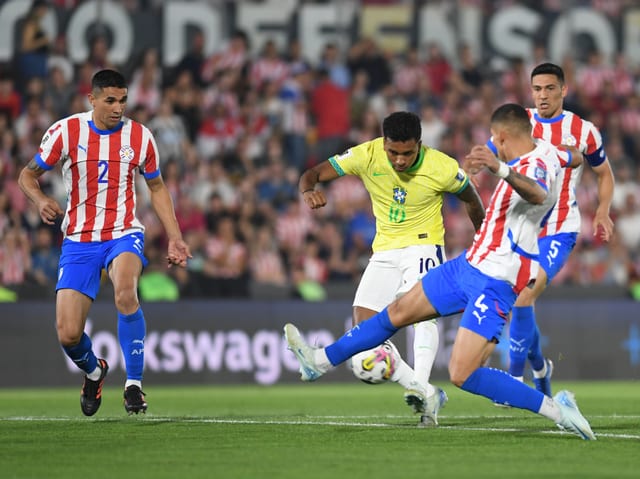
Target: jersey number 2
[103,166]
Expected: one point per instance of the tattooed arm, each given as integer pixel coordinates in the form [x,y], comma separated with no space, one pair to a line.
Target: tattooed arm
[48,208]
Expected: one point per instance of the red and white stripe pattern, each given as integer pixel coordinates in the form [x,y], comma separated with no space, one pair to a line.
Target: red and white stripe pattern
[506,245]
[566,129]
[98,172]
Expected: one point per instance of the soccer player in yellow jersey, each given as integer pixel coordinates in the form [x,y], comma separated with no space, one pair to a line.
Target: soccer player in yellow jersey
[406,182]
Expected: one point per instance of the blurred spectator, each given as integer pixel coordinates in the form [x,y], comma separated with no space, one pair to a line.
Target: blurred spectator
[366,55]
[309,271]
[15,257]
[59,58]
[34,44]
[296,116]
[437,68]
[218,132]
[407,76]
[330,109]
[185,96]
[44,256]
[292,228]
[627,223]
[234,56]
[146,82]
[99,54]
[267,266]
[194,60]
[275,186]
[268,67]
[226,273]
[432,126]
[10,99]
[331,61]
[470,71]
[58,92]
[190,217]
[169,131]
[341,261]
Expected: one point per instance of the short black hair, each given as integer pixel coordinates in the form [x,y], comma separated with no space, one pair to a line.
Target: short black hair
[402,126]
[107,78]
[513,116]
[549,69]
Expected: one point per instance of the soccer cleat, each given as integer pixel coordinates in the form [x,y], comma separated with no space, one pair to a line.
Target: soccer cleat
[91,394]
[134,400]
[544,384]
[572,420]
[416,397]
[435,402]
[304,353]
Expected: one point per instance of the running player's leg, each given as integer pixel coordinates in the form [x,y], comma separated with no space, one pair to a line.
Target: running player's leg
[125,263]
[554,253]
[522,327]
[78,284]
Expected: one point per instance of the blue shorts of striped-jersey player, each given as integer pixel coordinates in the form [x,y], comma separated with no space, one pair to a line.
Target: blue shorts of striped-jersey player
[555,251]
[485,302]
[81,264]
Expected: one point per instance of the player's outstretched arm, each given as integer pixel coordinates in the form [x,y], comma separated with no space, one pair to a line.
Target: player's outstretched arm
[48,208]
[178,251]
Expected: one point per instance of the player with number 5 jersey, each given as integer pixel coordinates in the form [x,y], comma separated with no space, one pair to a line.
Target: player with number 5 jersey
[550,122]
[100,153]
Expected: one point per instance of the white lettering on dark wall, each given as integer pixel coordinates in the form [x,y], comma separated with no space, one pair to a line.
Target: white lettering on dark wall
[510,31]
[262,353]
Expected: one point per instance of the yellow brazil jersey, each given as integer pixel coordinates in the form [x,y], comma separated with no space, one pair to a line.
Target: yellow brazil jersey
[407,205]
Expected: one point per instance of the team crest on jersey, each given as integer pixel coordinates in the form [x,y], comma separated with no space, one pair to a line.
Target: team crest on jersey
[540,173]
[569,140]
[399,195]
[126,153]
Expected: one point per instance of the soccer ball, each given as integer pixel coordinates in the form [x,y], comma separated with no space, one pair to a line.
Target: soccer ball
[377,365]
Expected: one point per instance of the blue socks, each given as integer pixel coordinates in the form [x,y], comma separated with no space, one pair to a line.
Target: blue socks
[502,388]
[535,351]
[521,332]
[82,354]
[366,335]
[131,333]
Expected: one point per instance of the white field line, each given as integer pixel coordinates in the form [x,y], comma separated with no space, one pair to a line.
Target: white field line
[346,421]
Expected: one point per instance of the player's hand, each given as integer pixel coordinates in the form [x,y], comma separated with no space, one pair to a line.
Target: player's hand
[478,158]
[178,253]
[314,199]
[603,224]
[49,210]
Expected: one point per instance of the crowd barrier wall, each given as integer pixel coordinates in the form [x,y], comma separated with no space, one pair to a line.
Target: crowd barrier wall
[240,342]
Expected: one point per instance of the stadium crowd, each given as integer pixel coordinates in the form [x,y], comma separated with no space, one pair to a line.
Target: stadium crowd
[235,130]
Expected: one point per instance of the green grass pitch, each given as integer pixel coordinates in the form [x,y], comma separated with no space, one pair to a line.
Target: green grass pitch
[319,430]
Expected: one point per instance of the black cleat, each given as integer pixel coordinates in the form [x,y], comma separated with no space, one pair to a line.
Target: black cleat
[91,394]
[134,400]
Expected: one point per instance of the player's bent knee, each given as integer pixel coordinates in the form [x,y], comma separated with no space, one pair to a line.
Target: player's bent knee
[126,300]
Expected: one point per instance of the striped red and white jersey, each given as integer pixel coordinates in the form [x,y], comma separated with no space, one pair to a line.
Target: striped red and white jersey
[506,246]
[98,171]
[568,129]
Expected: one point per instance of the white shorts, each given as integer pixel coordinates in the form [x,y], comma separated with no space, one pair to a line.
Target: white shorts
[392,273]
